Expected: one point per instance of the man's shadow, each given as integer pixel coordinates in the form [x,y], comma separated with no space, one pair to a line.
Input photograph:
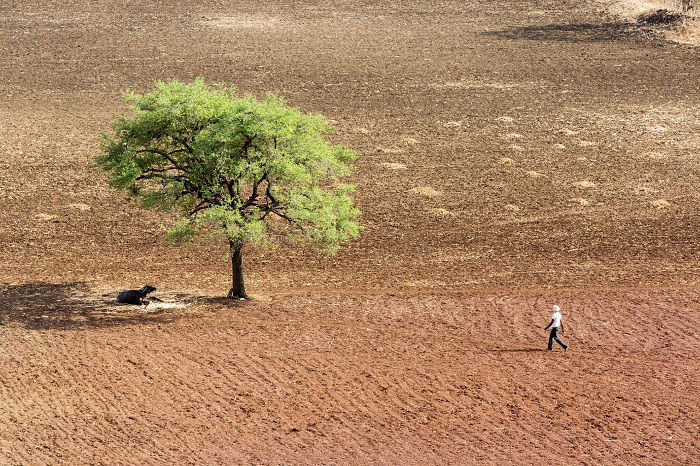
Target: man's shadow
[520,350]
[40,306]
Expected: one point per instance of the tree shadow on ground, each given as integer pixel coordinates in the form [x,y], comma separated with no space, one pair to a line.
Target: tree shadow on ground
[581,32]
[43,306]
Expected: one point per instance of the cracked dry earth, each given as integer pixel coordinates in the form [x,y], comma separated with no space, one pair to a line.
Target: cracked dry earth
[513,155]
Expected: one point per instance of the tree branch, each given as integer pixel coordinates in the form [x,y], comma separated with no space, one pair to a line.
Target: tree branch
[166,155]
[254,195]
[151,173]
[191,189]
[268,190]
[184,143]
[230,188]
[201,206]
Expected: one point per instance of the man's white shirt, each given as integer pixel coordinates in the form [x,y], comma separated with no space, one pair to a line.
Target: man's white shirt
[556,319]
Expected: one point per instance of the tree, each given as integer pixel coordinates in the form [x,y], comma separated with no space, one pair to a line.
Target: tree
[241,169]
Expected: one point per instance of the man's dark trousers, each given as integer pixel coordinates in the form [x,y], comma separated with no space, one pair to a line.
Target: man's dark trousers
[553,335]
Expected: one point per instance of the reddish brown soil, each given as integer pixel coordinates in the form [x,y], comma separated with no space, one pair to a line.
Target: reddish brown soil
[513,155]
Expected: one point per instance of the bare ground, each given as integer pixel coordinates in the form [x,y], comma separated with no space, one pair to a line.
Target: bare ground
[513,156]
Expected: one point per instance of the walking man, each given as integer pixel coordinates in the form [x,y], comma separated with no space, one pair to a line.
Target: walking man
[556,323]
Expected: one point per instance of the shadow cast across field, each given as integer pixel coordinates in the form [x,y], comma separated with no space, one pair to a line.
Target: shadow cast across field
[44,306]
[578,32]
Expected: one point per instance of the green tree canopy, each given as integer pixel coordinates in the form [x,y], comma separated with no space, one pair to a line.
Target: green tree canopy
[243,169]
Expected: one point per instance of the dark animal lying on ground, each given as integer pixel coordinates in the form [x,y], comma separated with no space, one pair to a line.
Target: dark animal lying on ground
[135,296]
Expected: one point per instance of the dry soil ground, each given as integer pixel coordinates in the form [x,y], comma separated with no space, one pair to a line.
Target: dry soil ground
[514,154]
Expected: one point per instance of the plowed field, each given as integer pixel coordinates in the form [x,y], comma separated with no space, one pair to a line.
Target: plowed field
[513,155]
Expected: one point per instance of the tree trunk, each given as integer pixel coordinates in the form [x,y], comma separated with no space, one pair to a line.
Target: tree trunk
[237,290]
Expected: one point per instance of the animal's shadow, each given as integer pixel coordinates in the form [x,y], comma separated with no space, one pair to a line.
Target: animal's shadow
[42,306]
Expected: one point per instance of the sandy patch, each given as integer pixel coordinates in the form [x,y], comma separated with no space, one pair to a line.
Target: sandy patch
[585,184]
[389,150]
[156,306]
[394,166]
[645,190]
[79,206]
[476,85]
[660,204]
[512,136]
[426,191]
[676,119]
[688,33]
[425,283]
[244,21]
[630,10]
[580,201]
[657,155]
[534,174]
[441,212]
